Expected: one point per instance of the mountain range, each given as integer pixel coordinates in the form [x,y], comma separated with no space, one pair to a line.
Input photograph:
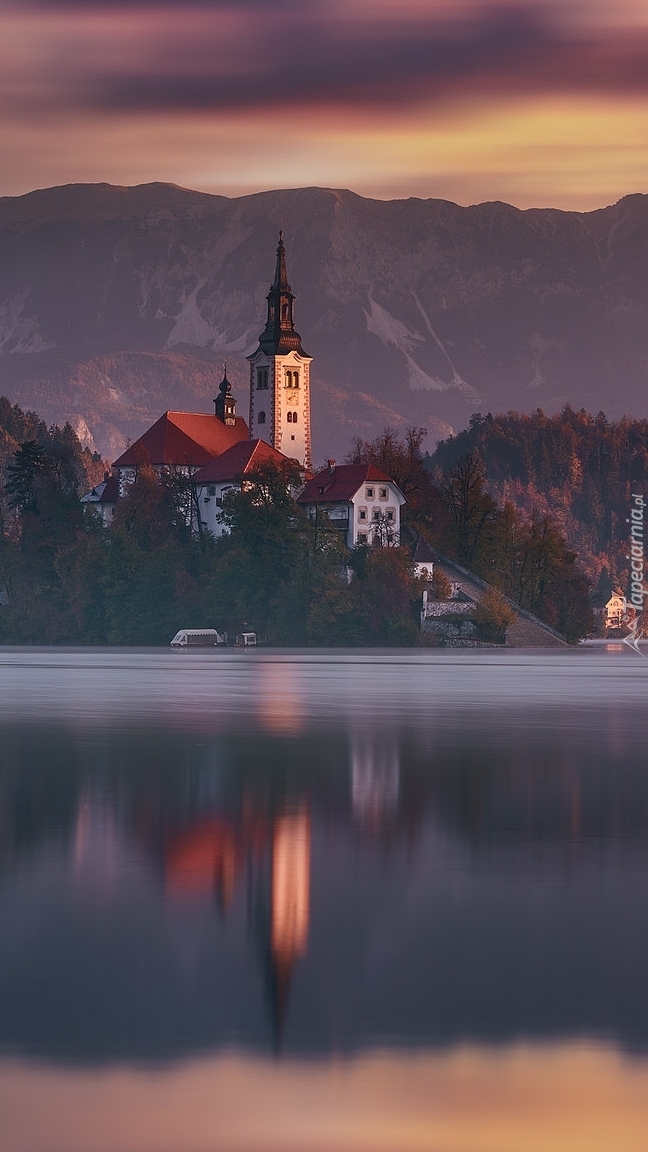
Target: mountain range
[118,303]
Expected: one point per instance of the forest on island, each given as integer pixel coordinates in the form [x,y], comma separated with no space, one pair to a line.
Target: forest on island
[521,501]
[577,469]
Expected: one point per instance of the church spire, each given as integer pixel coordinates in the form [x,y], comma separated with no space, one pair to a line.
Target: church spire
[279,335]
[281,276]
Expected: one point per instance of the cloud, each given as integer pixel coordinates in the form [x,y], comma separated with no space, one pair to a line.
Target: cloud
[381,95]
[275,53]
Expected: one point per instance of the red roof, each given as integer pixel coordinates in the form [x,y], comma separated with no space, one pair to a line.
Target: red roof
[238,460]
[108,492]
[105,493]
[183,438]
[341,483]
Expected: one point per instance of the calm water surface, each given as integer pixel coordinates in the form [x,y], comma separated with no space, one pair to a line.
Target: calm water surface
[323,902]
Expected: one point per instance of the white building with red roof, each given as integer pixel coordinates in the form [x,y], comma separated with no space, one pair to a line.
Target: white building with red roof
[184,441]
[359,499]
[227,473]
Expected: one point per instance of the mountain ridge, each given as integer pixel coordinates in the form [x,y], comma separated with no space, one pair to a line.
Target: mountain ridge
[117,303]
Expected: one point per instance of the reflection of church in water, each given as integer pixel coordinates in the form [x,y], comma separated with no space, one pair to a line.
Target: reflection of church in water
[273,856]
[269,856]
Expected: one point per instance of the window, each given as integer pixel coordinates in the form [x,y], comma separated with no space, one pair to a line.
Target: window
[369,493]
[292,417]
[362,515]
[390,515]
[261,418]
[292,379]
[362,537]
[383,493]
[376,514]
[212,489]
[262,378]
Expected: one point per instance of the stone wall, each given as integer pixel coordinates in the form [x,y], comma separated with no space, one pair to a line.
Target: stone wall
[526,632]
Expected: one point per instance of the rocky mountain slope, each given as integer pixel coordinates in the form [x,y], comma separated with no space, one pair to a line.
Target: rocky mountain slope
[116,303]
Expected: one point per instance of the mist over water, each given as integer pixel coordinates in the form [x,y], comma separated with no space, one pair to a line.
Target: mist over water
[306,856]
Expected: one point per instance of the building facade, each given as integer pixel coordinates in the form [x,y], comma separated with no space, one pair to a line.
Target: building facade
[358,499]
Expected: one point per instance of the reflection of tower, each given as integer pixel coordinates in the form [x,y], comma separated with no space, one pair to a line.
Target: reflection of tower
[375,772]
[289,905]
[280,375]
[279,693]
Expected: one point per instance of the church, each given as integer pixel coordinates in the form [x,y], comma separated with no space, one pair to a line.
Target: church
[217,451]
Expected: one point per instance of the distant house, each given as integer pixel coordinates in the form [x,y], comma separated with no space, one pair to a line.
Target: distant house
[359,499]
[103,497]
[423,557]
[616,611]
[226,473]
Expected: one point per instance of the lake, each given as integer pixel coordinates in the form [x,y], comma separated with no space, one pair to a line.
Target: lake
[323,901]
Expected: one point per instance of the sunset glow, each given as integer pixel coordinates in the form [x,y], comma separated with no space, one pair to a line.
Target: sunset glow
[536,104]
[570,1098]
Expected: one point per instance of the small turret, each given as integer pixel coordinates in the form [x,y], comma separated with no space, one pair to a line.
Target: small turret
[225,404]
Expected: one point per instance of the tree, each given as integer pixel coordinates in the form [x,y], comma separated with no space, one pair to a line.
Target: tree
[385,595]
[23,473]
[471,508]
[403,460]
[493,615]
[261,573]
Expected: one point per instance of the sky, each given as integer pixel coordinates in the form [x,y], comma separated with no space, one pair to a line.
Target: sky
[535,102]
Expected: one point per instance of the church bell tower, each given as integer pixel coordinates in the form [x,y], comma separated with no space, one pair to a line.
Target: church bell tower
[280,375]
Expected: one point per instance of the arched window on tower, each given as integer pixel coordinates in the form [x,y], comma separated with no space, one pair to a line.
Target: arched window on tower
[294,417]
[261,419]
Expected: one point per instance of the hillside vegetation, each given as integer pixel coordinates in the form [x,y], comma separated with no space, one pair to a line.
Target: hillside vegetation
[576,468]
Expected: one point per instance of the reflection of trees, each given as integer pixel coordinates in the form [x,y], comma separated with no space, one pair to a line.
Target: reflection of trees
[39,782]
